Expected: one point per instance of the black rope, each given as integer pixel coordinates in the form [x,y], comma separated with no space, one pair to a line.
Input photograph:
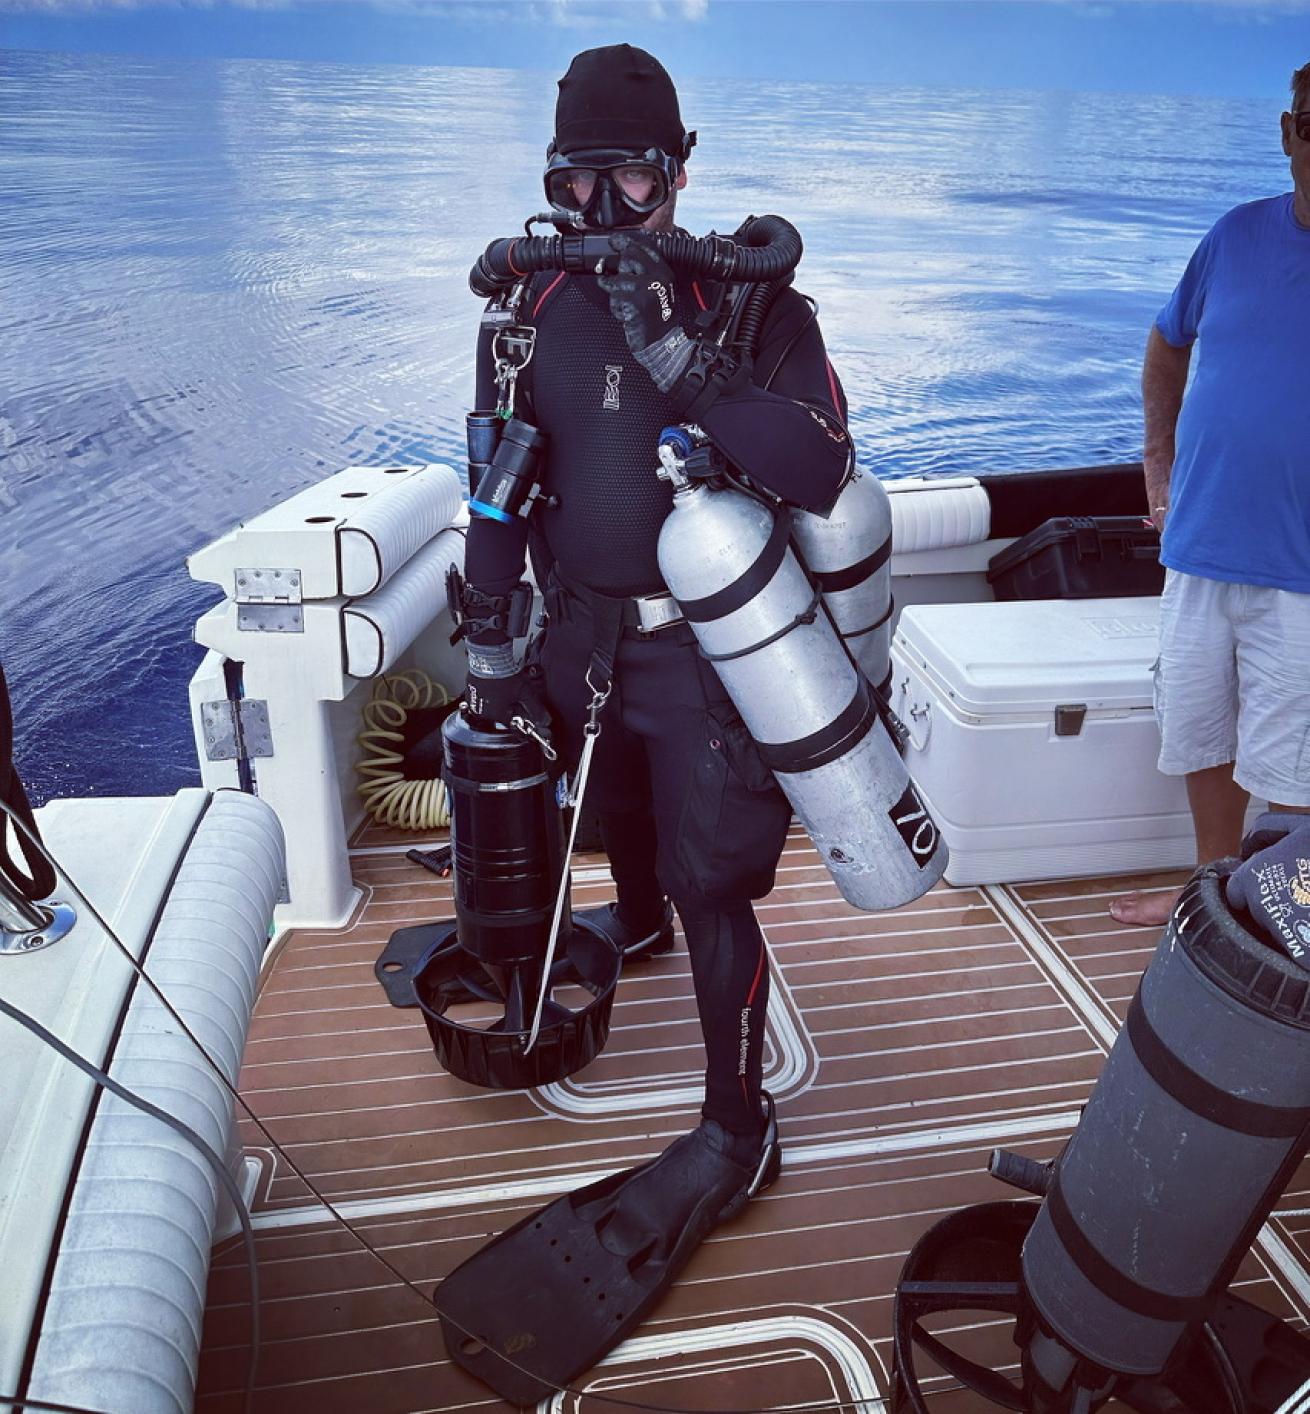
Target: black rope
[41,881]
[12,1401]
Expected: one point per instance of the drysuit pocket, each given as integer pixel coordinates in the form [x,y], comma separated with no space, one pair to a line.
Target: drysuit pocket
[734,819]
[743,757]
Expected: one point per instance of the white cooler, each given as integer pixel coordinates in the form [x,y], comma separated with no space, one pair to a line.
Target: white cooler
[1033,737]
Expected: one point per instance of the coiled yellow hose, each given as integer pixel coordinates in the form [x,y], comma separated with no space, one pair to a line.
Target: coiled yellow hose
[389,798]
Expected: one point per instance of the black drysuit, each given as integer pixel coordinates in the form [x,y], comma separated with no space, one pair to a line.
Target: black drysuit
[687,807]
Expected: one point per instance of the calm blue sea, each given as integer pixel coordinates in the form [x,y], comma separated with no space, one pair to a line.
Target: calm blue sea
[220,281]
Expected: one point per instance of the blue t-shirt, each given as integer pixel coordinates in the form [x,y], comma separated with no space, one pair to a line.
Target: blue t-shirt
[1239,496]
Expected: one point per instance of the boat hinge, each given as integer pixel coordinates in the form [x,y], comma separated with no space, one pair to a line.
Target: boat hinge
[236,731]
[268,601]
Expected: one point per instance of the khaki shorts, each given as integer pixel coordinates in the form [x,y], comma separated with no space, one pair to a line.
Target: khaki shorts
[1232,683]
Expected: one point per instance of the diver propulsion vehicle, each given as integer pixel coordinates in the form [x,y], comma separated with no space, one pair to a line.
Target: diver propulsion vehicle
[1117,1281]
[476,978]
[727,560]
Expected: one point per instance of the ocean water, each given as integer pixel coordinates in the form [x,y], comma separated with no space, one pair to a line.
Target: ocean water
[221,281]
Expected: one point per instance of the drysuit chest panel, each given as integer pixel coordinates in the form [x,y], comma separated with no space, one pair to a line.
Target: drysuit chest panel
[603,416]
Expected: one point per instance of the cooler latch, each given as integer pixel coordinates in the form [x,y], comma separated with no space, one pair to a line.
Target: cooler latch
[1069,718]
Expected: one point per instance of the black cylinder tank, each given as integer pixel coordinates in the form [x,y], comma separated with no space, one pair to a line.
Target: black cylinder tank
[507,845]
[1192,1131]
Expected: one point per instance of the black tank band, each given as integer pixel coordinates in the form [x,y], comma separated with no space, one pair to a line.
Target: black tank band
[846,730]
[833,581]
[1197,1094]
[877,623]
[746,586]
[806,616]
[1107,1278]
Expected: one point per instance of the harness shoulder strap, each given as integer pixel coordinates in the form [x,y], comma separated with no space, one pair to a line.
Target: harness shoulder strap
[541,288]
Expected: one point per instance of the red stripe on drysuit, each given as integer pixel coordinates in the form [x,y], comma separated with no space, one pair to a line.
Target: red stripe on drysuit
[547,292]
[759,972]
[750,1001]
[700,298]
[832,387]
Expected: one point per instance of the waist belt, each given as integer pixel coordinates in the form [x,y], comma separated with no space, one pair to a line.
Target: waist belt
[637,616]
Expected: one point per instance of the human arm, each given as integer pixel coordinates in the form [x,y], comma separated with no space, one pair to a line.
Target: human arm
[495,560]
[1164,379]
[1164,370]
[782,422]
[786,428]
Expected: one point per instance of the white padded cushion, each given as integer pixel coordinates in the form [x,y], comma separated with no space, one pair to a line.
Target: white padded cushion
[381,626]
[122,1324]
[386,530]
[344,535]
[930,514]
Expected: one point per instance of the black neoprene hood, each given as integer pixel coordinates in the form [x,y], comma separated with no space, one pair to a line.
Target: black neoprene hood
[618,97]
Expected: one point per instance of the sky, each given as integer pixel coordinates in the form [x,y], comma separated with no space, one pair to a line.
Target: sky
[1230,48]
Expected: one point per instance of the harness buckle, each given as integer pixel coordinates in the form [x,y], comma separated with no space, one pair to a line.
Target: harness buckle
[656,611]
[514,344]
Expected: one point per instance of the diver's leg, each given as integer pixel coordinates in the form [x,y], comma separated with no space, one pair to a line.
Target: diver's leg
[721,823]
[730,970]
[640,922]
[1196,705]
[630,842]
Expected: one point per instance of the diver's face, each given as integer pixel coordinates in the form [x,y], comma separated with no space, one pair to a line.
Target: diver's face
[609,197]
[661,219]
[1296,143]
[637,183]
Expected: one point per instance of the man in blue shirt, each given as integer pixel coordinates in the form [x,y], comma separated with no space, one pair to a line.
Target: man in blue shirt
[1228,482]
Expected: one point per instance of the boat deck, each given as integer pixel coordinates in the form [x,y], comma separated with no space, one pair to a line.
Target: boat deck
[902,1047]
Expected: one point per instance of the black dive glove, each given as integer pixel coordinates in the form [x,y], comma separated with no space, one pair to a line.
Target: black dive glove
[508,699]
[1272,885]
[493,699]
[693,371]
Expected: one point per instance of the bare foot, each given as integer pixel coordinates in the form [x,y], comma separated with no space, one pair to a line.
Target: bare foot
[1145,910]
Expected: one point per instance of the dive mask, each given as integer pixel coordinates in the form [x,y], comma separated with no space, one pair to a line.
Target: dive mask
[607,189]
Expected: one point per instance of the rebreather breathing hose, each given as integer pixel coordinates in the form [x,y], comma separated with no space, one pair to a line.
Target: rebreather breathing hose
[389,796]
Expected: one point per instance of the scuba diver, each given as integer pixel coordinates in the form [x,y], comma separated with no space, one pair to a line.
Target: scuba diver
[689,812]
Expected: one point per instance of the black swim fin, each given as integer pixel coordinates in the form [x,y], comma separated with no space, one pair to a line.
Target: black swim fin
[544,1302]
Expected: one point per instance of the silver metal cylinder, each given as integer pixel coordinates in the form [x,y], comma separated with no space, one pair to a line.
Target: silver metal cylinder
[727,561]
[848,554]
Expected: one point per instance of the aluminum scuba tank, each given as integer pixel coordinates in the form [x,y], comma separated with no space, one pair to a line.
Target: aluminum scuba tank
[1192,1132]
[848,554]
[726,559]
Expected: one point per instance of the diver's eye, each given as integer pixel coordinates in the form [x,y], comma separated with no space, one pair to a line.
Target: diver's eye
[580,185]
[638,182]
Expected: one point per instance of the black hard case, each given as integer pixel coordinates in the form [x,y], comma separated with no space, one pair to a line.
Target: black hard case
[1080,557]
